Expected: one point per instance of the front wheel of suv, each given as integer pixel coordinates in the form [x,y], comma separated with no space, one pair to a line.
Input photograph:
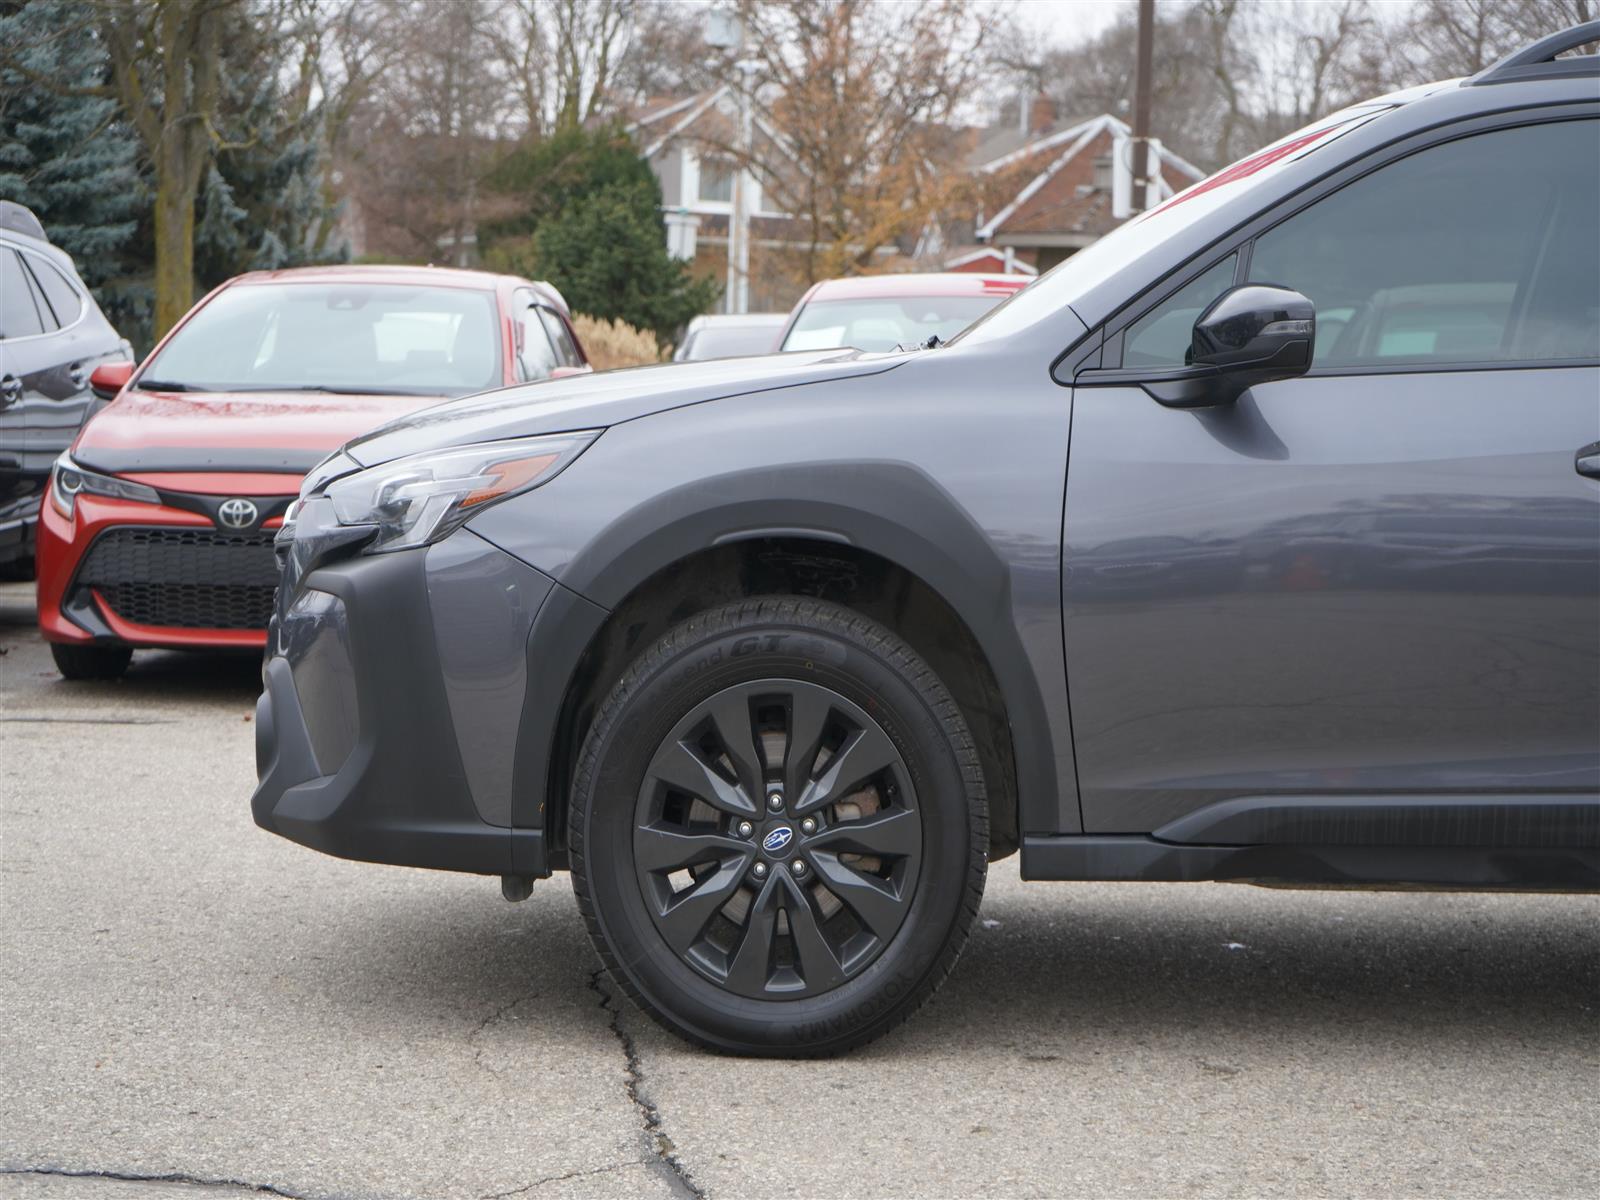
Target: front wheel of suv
[90,662]
[779,829]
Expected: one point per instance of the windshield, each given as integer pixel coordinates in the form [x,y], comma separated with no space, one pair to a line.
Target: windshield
[367,338]
[885,323]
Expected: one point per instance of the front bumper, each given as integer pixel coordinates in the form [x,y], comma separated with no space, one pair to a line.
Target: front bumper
[166,592]
[394,687]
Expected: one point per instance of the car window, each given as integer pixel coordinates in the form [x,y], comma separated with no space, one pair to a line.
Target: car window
[537,357]
[64,300]
[380,338]
[566,352]
[19,313]
[1481,249]
[1161,337]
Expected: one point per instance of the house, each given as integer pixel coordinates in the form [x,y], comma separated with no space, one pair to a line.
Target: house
[680,138]
[1061,185]
[1050,188]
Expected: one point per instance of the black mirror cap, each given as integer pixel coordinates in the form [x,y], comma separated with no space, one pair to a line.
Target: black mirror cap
[1258,333]
[1256,325]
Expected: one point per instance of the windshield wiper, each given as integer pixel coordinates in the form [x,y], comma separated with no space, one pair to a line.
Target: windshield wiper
[932,343]
[163,385]
[334,389]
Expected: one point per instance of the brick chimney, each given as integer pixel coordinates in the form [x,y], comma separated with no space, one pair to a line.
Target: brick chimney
[1041,114]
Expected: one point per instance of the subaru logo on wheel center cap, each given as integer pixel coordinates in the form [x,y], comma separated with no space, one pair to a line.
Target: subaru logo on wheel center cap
[777,840]
[237,513]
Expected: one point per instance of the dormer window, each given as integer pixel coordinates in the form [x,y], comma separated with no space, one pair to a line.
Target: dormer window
[1102,173]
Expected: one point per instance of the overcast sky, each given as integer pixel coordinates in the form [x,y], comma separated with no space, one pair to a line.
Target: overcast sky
[1064,22]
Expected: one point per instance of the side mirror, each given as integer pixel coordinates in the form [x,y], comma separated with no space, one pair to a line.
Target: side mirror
[110,378]
[1258,333]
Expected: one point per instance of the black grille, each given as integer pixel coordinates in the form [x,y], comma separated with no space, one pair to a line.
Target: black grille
[188,578]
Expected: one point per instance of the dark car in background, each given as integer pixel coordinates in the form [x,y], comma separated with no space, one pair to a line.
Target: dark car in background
[729,335]
[886,312]
[52,336]
[158,527]
[775,654]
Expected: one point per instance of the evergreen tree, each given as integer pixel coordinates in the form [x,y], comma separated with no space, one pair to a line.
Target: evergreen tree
[585,214]
[608,256]
[68,157]
[262,199]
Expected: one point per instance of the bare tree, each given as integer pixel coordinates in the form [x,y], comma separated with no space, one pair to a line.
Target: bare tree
[343,48]
[423,131]
[561,58]
[1446,38]
[854,104]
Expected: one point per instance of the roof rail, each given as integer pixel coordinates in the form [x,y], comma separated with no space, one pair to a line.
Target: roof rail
[1539,60]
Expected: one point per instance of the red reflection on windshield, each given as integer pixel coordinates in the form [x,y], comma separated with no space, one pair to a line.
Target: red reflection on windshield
[1249,166]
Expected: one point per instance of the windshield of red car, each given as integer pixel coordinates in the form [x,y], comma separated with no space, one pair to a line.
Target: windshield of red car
[885,323]
[361,338]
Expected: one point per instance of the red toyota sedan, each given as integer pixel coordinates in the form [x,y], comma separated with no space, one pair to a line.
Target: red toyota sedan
[157,527]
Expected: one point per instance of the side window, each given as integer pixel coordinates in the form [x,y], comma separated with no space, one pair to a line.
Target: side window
[1481,249]
[19,312]
[536,358]
[63,298]
[1161,337]
[566,353]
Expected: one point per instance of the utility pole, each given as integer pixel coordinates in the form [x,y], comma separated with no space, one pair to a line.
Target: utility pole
[1141,106]
[739,218]
[725,31]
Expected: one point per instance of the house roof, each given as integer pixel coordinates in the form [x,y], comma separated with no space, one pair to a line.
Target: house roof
[963,255]
[1039,208]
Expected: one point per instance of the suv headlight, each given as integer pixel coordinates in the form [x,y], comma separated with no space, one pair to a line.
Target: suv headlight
[68,480]
[420,499]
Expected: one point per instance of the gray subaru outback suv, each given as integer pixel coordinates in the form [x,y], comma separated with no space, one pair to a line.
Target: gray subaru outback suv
[1259,541]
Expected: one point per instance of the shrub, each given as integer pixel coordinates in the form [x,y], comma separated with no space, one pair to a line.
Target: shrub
[612,344]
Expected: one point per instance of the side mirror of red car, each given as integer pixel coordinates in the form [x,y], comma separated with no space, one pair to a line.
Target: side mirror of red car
[109,378]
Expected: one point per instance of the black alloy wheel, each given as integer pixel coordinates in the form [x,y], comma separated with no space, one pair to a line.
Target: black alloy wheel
[777,838]
[778,829]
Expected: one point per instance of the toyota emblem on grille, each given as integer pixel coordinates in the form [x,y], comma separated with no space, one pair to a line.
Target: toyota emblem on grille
[237,513]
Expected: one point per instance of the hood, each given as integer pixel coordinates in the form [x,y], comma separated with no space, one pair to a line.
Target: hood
[230,431]
[608,398]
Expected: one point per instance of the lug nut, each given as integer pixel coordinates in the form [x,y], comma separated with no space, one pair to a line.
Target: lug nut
[775,801]
[759,870]
[798,866]
[809,825]
[745,829]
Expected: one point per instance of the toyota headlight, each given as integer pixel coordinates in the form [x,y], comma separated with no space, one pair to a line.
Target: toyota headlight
[68,480]
[422,498]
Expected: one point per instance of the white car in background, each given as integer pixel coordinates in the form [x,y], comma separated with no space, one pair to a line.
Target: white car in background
[729,335]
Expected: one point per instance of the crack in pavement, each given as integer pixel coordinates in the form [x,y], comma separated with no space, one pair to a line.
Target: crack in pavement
[260,1189]
[497,1015]
[539,1183]
[663,1153]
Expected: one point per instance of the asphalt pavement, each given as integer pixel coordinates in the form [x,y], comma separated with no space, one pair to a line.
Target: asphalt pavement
[192,1007]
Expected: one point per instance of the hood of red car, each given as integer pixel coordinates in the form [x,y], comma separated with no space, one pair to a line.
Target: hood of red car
[278,432]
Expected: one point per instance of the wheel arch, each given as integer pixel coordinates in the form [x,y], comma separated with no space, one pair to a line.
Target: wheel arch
[976,654]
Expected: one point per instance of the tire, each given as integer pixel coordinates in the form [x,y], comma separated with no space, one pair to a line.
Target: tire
[90,662]
[880,798]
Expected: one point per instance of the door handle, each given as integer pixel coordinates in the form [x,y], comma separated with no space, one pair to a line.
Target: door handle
[76,374]
[1588,461]
[10,390]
